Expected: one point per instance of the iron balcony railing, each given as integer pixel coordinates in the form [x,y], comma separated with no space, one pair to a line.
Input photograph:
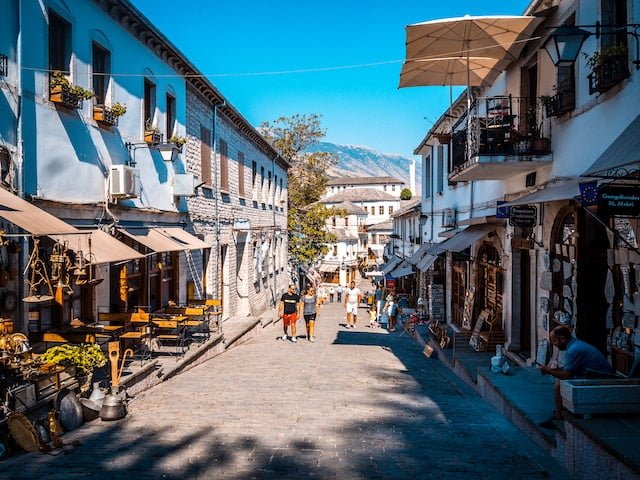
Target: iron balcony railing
[501,125]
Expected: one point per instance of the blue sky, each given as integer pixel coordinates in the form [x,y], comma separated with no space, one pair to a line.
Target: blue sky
[361,106]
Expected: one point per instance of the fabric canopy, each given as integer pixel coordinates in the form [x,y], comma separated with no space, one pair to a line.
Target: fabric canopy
[402,270]
[374,273]
[179,236]
[622,158]
[426,262]
[450,71]
[328,268]
[416,257]
[552,193]
[29,217]
[153,240]
[466,238]
[104,248]
[499,37]
[391,264]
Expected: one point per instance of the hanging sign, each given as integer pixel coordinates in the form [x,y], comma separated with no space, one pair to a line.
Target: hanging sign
[523,216]
[501,212]
[619,200]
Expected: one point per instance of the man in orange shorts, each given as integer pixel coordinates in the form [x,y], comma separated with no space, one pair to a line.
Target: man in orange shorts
[289,309]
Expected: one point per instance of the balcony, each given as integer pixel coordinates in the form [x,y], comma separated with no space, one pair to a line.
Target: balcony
[502,137]
[560,103]
[609,73]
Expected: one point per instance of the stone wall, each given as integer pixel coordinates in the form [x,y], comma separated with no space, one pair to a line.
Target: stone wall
[247,232]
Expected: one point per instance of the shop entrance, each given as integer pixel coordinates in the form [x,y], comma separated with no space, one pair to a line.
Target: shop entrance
[521,287]
[458,290]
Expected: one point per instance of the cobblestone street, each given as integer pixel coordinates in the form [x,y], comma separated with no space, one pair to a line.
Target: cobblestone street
[356,404]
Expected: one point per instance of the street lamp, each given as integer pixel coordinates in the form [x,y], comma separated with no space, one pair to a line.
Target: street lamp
[565,42]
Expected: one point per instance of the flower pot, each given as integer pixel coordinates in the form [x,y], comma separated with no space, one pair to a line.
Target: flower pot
[541,145]
[62,95]
[104,115]
[152,137]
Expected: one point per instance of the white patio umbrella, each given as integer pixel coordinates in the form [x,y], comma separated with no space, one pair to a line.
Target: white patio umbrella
[449,71]
[500,37]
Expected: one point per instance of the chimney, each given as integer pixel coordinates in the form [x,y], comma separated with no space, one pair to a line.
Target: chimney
[412,176]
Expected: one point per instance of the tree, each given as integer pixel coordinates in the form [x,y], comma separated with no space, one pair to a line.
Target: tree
[307,181]
[405,194]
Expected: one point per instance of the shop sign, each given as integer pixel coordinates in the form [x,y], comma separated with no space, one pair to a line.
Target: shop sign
[523,216]
[502,212]
[522,243]
[619,200]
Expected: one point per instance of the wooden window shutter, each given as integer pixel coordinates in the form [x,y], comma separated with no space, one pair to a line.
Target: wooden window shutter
[224,166]
[241,174]
[205,155]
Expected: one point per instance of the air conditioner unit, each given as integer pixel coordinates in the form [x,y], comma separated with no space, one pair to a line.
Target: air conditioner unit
[184,185]
[448,218]
[123,182]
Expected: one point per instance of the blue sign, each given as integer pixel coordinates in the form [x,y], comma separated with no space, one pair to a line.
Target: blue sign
[501,212]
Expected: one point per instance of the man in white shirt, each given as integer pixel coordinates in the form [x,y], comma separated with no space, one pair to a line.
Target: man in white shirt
[352,298]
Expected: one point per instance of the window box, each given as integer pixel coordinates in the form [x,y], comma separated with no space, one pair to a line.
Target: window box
[105,115]
[607,74]
[152,137]
[65,96]
[560,103]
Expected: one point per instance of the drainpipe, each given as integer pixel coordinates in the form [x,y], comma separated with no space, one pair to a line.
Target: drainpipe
[216,203]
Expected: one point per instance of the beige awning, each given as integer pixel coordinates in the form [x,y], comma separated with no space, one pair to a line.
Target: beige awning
[328,268]
[501,37]
[463,240]
[29,217]
[104,248]
[416,257]
[180,236]
[450,71]
[551,193]
[153,240]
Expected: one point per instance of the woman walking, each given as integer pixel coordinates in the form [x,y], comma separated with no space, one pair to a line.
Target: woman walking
[310,307]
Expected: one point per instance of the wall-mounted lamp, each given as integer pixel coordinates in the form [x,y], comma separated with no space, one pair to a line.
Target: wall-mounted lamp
[565,42]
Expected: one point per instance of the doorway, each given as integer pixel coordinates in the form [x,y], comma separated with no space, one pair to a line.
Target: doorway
[521,285]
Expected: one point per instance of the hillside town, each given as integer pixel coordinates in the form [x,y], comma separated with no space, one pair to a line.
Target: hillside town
[184,294]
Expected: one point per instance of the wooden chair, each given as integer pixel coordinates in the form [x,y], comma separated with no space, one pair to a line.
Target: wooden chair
[170,331]
[215,313]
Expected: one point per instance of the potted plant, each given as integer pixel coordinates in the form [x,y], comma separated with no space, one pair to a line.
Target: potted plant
[178,141]
[109,114]
[84,357]
[152,134]
[608,67]
[63,92]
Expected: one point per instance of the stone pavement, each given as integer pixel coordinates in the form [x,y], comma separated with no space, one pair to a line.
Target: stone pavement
[358,403]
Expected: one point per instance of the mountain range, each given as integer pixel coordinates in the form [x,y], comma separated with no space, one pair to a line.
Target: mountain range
[362,161]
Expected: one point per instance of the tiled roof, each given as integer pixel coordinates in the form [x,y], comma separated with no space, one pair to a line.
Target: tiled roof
[358,195]
[349,208]
[363,181]
[407,206]
[386,225]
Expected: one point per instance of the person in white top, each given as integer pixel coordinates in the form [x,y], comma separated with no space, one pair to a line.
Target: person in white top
[352,298]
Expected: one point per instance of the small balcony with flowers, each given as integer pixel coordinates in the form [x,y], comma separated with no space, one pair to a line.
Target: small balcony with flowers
[498,138]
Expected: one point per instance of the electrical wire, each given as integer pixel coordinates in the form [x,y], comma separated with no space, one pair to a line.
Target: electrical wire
[446,55]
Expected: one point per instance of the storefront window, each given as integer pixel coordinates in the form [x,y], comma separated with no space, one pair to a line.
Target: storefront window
[563,268]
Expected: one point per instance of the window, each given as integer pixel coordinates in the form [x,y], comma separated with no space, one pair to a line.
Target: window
[384,188]
[366,209]
[269,185]
[346,221]
[205,155]
[614,17]
[171,115]
[59,43]
[427,176]
[254,174]
[381,209]
[390,209]
[333,221]
[101,69]
[335,250]
[224,166]
[241,174]
[440,174]
[149,102]
[393,188]
[262,192]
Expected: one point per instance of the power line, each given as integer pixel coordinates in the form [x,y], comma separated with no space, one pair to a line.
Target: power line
[447,55]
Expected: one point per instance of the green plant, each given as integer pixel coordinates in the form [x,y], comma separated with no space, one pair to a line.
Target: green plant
[597,58]
[178,140]
[118,109]
[86,357]
[405,194]
[150,127]
[58,79]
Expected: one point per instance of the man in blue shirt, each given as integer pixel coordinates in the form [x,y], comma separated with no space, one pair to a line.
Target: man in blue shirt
[580,360]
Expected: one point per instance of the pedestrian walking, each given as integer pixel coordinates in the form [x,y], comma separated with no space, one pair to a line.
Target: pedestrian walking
[352,298]
[310,308]
[320,294]
[289,310]
[373,318]
[339,292]
[332,293]
[391,309]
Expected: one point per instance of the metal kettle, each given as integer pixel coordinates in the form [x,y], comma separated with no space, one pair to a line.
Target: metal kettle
[97,395]
[112,408]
